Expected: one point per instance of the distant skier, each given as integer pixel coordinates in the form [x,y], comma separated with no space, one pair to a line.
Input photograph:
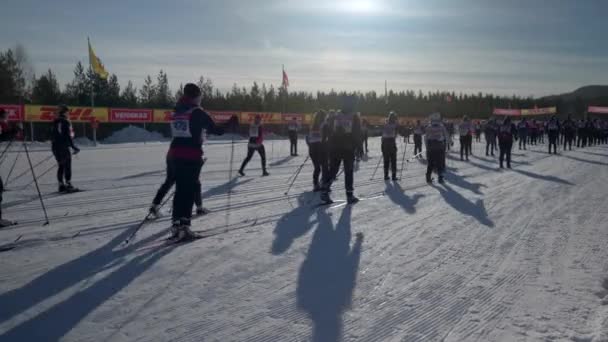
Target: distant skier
[465,130]
[185,153]
[533,130]
[344,137]
[62,141]
[541,131]
[292,129]
[418,132]
[364,134]
[506,132]
[569,127]
[522,131]
[477,131]
[580,133]
[7,134]
[389,145]
[317,148]
[451,131]
[490,133]
[553,129]
[435,140]
[256,144]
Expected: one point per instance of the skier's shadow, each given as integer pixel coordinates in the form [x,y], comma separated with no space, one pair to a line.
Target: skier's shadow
[281,161]
[224,188]
[53,323]
[543,177]
[396,194]
[463,205]
[595,162]
[461,182]
[292,225]
[328,276]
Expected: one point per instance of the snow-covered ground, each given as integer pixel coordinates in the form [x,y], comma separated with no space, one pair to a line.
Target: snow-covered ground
[491,256]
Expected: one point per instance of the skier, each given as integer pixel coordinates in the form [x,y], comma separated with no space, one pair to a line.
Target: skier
[490,134]
[477,131]
[418,131]
[62,135]
[522,131]
[553,129]
[541,132]
[506,132]
[256,143]
[435,140]
[569,131]
[359,149]
[6,134]
[185,152]
[344,136]
[292,130]
[580,133]
[364,134]
[533,132]
[317,148]
[450,127]
[389,145]
[465,130]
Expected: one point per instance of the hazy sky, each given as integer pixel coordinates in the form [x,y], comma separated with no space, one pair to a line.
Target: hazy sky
[524,47]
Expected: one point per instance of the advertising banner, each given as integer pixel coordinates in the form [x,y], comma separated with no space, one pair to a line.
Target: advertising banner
[131,115]
[15,112]
[598,110]
[539,111]
[507,112]
[76,114]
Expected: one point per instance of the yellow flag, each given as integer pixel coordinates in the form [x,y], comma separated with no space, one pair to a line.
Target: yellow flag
[96,63]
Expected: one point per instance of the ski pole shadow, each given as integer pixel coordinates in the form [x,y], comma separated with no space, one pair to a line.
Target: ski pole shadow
[328,276]
[292,225]
[594,162]
[595,154]
[281,161]
[463,205]
[53,323]
[395,193]
[543,177]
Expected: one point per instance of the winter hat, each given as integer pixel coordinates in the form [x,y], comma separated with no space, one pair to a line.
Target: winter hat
[192,91]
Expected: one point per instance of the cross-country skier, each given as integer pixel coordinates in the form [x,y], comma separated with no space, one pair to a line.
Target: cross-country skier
[490,134]
[185,152]
[541,131]
[506,132]
[569,128]
[317,148]
[418,132]
[553,129]
[6,134]
[292,130]
[344,137]
[389,145]
[62,135]
[522,131]
[465,130]
[256,143]
[477,131]
[364,134]
[435,140]
[580,133]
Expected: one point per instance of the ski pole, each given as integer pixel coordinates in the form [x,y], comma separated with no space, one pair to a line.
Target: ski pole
[296,174]
[8,177]
[35,166]
[8,145]
[376,169]
[36,182]
[402,162]
[141,224]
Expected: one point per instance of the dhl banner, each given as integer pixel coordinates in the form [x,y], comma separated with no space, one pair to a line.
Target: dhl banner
[593,109]
[267,118]
[539,111]
[507,112]
[15,112]
[130,115]
[76,114]
[164,115]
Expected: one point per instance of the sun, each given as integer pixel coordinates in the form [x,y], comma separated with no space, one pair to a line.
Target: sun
[362,6]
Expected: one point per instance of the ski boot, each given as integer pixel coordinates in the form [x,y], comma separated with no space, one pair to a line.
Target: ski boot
[69,188]
[316,187]
[394,178]
[241,173]
[6,223]
[429,180]
[200,211]
[386,177]
[325,198]
[265,173]
[154,210]
[62,188]
[175,226]
[350,198]
[440,179]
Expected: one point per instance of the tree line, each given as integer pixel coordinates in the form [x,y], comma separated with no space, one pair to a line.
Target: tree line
[17,85]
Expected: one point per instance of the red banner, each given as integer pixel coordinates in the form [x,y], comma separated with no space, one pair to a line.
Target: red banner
[597,110]
[222,117]
[539,111]
[130,115]
[288,117]
[15,112]
[508,112]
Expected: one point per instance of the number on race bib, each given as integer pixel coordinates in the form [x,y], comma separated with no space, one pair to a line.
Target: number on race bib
[180,128]
[254,131]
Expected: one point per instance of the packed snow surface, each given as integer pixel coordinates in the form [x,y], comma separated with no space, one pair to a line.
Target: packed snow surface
[133,134]
[492,255]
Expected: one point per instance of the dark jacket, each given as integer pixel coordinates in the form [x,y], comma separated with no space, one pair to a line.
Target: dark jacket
[62,132]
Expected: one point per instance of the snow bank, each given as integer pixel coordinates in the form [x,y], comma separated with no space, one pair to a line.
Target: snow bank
[83,141]
[131,134]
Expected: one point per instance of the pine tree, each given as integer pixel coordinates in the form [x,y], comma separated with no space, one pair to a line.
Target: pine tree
[128,98]
[46,90]
[162,97]
[147,93]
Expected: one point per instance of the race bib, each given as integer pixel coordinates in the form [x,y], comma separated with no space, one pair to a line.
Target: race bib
[314,137]
[180,127]
[71,131]
[254,131]
[505,129]
[552,126]
[389,131]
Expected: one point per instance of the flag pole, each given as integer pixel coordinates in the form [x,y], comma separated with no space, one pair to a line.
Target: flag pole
[284,86]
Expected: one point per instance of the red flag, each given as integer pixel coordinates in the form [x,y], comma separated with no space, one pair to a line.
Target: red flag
[285,79]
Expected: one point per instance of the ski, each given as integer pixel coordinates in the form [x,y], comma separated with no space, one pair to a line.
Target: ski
[167,242]
[67,192]
[8,224]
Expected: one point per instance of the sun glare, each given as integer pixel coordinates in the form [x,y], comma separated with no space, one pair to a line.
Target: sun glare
[359,6]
